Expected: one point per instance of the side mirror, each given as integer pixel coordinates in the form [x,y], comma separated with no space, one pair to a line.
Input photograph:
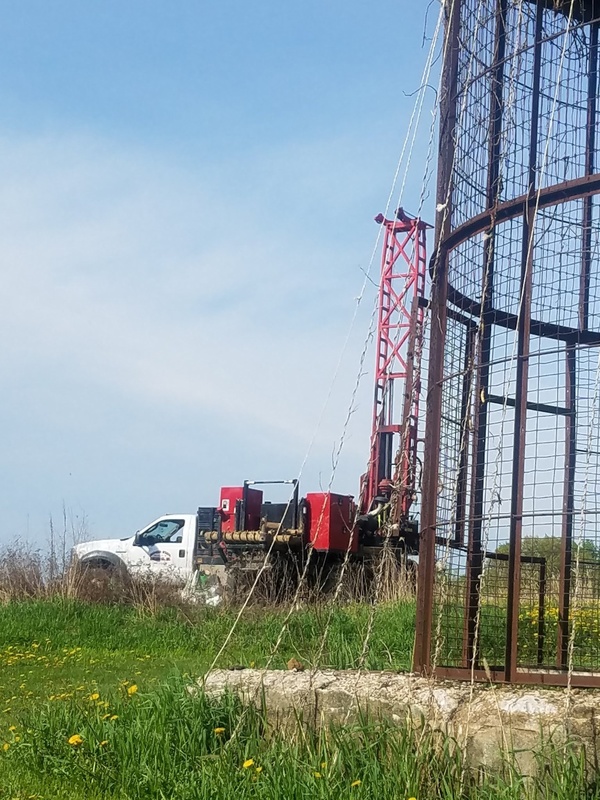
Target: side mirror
[136,539]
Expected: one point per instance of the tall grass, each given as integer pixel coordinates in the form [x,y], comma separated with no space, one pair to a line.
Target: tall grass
[170,744]
[197,634]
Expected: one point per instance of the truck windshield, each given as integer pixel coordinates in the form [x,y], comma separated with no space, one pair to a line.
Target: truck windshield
[167,530]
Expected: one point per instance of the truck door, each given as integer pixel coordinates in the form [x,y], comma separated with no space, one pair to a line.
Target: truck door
[164,543]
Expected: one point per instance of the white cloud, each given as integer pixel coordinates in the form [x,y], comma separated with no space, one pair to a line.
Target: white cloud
[179,289]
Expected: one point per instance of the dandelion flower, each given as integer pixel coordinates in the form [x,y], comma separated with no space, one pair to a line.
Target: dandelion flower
[355,783]
[94,696]
[17,738]
[317,774]
[5,746]
[132,689]
[412,798]
[258,770]
[12,728]
[75,740]
[218,731]
[102,743]
[114,717]
[249,762]
[323,765]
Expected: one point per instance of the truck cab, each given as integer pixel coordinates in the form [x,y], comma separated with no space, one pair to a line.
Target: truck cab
[165,547]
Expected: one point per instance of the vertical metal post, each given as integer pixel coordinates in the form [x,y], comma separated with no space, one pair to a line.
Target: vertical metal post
[465,417]
[522,369]
[475,557]
[541,613]
[439,295]
[588,202]
[566,548]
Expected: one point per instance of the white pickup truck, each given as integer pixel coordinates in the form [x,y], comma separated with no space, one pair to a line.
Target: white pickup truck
[167,547]
[236,533]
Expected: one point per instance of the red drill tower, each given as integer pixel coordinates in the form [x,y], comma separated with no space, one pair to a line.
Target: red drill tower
[399,335]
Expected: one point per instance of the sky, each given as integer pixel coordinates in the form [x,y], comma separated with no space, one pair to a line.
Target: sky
[186,218]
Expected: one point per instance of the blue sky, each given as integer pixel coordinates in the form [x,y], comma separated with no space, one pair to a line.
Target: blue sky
[186,213]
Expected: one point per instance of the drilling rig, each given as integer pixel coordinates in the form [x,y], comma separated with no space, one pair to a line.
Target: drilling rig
[335,526]
[320,528]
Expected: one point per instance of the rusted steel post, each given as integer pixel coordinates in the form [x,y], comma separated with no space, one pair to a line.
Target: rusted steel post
[588,203]
[566,549]
[522,370]
[465,418]
[475,557]
[541,613]
[439,296]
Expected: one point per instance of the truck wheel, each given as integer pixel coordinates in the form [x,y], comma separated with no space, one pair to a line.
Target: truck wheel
[98,563]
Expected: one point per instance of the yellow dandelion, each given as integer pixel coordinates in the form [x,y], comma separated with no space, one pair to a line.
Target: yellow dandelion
[102,743]
[75,740]
[12,728]
[106,716]
[323,765]
[355,783]
[5,746]
[80,688]
[249,762]
[412,798]
[113,717]
[132,689]
[218,731]
[317,774]
[17,738]
[94,696]
[258,770]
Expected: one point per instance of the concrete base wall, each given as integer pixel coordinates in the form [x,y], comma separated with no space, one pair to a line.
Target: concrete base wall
[489,722]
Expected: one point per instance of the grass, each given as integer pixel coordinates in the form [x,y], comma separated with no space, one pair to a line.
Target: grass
[113,681]
[49,644]
[168,744]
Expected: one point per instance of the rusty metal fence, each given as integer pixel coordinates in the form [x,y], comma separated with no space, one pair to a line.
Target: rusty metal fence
[509,567]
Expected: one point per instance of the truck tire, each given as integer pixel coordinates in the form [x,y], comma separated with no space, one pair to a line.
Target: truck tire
[104,562]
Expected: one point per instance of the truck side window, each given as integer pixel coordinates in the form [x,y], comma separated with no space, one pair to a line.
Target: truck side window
[167,530]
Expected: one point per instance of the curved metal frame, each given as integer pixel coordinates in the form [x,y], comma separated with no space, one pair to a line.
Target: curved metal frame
[479,317]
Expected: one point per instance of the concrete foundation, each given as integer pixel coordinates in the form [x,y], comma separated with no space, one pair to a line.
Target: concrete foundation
[489,722]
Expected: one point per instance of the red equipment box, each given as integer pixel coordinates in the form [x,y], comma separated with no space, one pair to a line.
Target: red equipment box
[331,519]
[228,501]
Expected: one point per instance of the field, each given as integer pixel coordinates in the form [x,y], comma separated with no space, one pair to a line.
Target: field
[93,704]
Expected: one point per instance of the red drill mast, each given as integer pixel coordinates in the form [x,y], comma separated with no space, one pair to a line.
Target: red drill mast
[399,345]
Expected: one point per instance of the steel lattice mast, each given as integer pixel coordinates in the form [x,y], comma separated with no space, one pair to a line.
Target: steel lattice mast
[399,329]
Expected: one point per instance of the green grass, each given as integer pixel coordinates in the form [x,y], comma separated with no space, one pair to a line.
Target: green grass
[168,744]
[67,669]
[62,649]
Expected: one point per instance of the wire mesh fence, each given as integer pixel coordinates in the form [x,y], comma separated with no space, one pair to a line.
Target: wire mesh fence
[510,557]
